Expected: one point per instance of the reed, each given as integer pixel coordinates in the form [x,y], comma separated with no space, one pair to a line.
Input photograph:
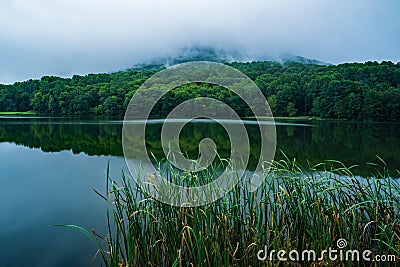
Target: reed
[296,208]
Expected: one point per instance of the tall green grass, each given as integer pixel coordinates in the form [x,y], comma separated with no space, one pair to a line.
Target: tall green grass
[295,208]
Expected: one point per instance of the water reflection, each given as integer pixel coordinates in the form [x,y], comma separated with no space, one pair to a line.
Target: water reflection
[351,143]
[42,189]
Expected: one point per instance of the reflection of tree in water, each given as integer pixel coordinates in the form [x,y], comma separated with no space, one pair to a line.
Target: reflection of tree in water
[92,139]
[350,143]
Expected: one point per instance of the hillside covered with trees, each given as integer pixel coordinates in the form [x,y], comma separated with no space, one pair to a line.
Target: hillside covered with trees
[356,91]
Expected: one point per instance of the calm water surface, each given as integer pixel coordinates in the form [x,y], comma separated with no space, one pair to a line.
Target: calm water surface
[49,167]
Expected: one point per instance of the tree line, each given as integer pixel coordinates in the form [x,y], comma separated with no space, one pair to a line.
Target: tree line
[355,91]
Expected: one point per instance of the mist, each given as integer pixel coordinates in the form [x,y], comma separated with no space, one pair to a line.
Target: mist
[66,37]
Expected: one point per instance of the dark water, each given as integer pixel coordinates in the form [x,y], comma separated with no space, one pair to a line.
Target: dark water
[48,167]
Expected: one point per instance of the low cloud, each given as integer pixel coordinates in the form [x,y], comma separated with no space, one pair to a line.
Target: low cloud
[64,37]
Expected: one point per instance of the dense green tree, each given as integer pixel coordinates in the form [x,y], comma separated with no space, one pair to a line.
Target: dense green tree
[354,91]
[291,110]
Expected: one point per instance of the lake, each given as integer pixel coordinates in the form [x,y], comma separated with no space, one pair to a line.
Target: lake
[49,167]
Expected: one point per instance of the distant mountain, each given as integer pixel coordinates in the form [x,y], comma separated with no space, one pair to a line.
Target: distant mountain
[206,53]
[291,58]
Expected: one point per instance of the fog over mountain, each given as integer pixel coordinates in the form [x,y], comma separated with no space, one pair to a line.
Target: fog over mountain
[206,53]
[66,37]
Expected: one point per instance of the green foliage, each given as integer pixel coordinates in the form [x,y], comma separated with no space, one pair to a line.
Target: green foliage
[292,210]
[291,110]
[358,91]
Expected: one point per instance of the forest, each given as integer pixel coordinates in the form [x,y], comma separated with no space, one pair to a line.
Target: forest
[353,91]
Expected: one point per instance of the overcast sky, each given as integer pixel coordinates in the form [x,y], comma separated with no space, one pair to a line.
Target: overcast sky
[65,37]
